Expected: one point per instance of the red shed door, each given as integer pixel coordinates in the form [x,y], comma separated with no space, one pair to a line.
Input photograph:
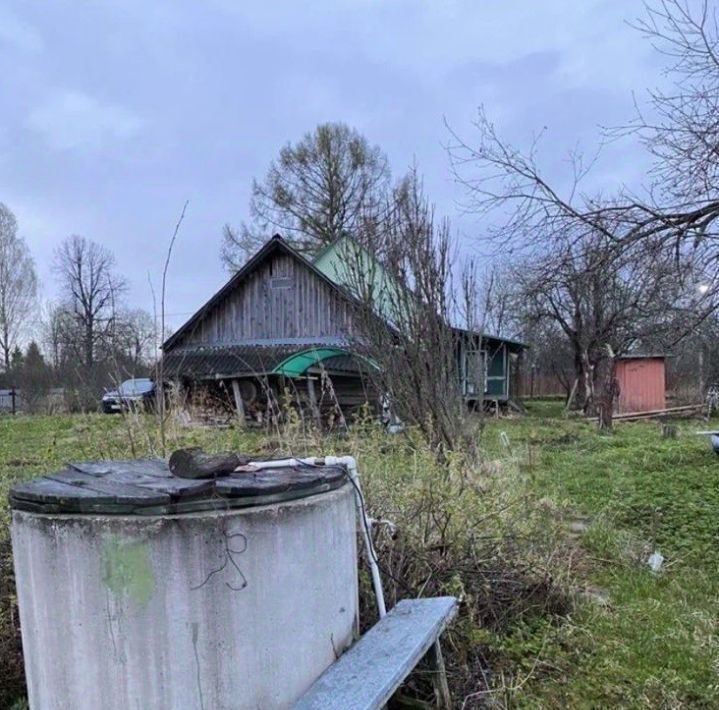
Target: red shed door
[641,385]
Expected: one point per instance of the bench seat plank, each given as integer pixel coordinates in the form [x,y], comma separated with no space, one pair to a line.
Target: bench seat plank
[365,677]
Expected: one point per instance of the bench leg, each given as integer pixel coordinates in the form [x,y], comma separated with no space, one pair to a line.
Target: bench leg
[439,676]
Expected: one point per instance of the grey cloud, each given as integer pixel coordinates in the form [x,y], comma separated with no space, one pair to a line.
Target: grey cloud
[116,112]
[19,34]
[73,119]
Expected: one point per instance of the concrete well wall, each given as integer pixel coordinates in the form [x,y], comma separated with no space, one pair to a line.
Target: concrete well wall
[234,609]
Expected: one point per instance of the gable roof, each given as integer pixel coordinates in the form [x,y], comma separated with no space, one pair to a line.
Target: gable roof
[345,260]
[332,258]
[271,247]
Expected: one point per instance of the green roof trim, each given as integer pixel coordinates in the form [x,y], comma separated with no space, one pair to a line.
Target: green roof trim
[297,364]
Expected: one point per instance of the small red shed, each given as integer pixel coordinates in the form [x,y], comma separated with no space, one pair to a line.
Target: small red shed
[641,380]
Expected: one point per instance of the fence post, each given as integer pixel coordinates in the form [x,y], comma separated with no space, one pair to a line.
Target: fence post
[531,382]
[12,399]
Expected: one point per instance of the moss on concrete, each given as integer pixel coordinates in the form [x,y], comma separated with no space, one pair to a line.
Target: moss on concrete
[127,570]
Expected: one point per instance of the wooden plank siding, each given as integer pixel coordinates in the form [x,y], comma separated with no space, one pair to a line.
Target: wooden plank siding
[641,383]
[281,299]
[278,300]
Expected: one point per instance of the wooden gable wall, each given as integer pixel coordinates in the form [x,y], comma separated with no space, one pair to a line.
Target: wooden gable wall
[281,298]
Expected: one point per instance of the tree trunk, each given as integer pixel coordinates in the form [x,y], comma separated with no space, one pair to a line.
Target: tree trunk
[579,378]
[571,396]
[608,389]
[6,344]
[89,337]
[583,396]
[586,376]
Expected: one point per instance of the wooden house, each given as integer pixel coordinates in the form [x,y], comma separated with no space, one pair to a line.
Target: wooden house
[285,324]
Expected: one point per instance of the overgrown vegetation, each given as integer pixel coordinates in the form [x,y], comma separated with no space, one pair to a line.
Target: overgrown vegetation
[545,543]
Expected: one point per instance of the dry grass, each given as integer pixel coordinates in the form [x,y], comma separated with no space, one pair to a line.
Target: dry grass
[544,542]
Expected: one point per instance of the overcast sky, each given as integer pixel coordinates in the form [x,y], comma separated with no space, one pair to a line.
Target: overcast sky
[115,113]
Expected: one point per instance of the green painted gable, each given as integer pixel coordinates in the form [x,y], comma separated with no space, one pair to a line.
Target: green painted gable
[348,264]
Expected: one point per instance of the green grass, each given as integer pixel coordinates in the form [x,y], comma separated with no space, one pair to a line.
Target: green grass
[654,643]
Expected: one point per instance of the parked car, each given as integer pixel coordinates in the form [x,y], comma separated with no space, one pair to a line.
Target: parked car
[137,393]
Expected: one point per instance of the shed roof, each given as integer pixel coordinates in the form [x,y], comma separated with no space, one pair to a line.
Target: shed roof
[211,362]
[643,356]
[514,345]
[313,358]
[217,361]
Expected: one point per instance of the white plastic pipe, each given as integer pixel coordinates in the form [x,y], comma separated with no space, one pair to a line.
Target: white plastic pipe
[351,463]
[284,463]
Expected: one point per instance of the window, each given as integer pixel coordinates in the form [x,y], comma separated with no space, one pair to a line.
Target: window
[281,282]
[136,386]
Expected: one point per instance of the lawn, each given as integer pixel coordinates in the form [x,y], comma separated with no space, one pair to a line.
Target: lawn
[632,639]
[653,640]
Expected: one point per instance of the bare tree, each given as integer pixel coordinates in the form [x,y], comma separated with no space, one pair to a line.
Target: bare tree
[18,284]
[498,303]
[681,130]
[58,333]
[676,213]
[551,361]
[680,203]
[86,272]
[318,189]
[407,302]
[605,301]
[134,340]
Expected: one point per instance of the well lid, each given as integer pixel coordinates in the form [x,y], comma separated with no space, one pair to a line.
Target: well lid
[148,487]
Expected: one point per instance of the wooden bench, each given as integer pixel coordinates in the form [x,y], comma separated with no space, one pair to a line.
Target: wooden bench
[365,677]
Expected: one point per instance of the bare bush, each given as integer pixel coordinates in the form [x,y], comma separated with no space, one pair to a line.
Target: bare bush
[477,533]
[407,301]
[605,300]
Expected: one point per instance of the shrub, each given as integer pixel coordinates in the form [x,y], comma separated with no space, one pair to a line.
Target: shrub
[477,531]
[473,531]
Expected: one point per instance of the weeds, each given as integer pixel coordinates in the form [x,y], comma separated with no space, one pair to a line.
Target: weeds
[544,542]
